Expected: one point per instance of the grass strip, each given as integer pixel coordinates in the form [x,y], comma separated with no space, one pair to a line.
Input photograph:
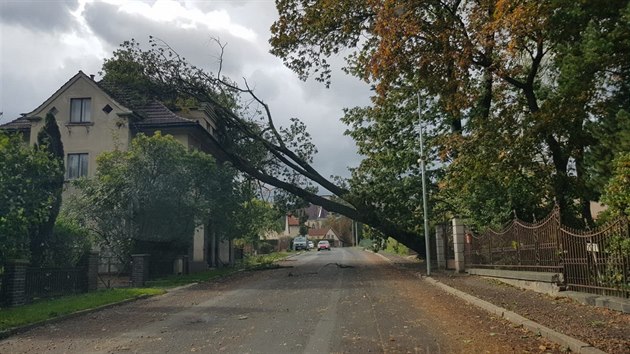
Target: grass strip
[266,261]
[51,308]
[178,280]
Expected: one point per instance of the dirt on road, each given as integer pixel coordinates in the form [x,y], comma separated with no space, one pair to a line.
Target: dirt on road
[344,301]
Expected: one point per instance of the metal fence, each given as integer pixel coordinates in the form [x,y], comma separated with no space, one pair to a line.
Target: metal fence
[598,261]
[51,282]
[595,261]
[112,272]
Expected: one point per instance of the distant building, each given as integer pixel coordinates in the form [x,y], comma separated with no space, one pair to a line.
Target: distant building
[324,234]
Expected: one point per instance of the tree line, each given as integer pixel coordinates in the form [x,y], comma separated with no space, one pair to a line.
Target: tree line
[526,104]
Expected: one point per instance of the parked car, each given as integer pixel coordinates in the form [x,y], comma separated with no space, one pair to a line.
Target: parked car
[311,245]
[323,245]
[300,243]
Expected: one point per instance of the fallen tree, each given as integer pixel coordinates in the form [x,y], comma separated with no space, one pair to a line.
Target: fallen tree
[246,136]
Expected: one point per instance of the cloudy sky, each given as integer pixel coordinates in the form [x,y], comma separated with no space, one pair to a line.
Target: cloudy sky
[45,42]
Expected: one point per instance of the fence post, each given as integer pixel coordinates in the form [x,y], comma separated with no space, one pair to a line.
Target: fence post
[92,271]
[140,269]
[439,247]
[14,283]
[459,244]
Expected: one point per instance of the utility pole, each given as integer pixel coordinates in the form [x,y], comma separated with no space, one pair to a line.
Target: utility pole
[355,233]
[422,161]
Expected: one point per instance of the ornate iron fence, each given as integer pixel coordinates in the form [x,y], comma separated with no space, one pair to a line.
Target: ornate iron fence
[596,261]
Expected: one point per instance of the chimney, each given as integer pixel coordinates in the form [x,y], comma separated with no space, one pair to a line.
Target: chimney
[92,77]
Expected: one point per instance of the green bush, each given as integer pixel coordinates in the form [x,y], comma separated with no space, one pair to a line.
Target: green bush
[366,243]
[265,248]
[70,241]
[396,247]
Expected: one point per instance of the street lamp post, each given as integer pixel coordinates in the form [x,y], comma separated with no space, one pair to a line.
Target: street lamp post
[424,192]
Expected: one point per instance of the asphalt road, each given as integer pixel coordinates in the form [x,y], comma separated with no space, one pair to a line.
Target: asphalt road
[342,301]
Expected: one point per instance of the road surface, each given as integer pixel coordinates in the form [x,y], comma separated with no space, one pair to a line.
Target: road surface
[340,301]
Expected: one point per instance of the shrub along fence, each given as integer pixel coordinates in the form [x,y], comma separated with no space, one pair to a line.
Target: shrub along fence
[595,261]
[23,284]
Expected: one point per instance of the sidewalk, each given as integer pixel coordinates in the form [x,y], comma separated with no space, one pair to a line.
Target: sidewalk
[604,329]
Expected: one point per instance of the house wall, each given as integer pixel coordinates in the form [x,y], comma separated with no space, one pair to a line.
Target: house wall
[111,131]
[315,224]
[201,117]
[330,235]
[105,132]
[293,231]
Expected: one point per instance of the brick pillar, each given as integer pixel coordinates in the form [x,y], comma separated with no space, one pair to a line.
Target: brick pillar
[186,264]
[459,233]
[89,277]
[14,283]
[92,271]
[140,269]
[439,247]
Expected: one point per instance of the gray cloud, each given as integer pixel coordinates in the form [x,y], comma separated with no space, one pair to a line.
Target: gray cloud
[44,16]
[27,78]
[195,44]
[254,14]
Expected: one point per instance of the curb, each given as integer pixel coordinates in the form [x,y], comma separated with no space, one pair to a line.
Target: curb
[573,344]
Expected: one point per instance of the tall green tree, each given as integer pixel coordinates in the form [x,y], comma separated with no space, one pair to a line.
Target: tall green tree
[617,192]
[48,140]
[155,193]
[509,87]
[255,219]
[25,195]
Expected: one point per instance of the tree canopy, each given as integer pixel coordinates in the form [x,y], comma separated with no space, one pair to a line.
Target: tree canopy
[48,139]
[26,174]
[517,95]
[157,192]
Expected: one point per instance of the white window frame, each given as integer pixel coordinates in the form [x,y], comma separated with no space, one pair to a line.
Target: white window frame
[81,110]
[77,165]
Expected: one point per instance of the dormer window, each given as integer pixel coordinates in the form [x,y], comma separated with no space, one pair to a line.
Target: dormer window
[80,110]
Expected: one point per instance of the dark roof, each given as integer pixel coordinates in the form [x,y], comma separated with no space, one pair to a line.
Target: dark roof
[152,112]
[315,212]
[157,114]
[318,232]
[17,124]
[293,221]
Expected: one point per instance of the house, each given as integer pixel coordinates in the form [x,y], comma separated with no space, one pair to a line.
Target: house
[316,218]
[94,117]
[324,234]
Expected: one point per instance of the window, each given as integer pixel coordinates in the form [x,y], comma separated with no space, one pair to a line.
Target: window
[80,109]
[77,165]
